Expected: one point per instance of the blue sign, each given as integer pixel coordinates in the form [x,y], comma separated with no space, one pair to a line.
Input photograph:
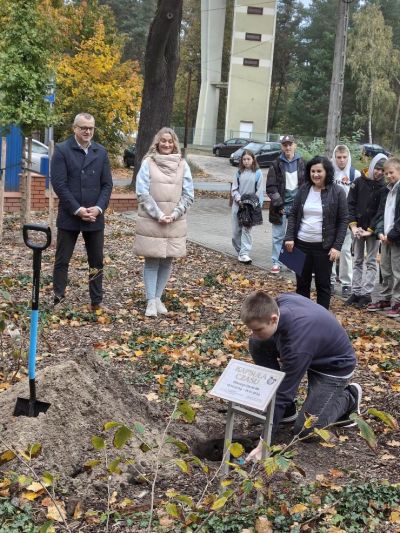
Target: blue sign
[50,98]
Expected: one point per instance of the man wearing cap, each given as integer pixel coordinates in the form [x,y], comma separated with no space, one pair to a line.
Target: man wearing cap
[363,201]
[285,176]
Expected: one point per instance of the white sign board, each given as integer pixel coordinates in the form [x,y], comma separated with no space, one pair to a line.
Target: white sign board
[247,384]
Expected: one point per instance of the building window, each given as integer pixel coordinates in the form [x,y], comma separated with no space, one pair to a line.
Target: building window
[254,10]
[253,37]
[248,62]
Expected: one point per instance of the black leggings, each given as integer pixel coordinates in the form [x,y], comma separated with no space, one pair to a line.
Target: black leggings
[317,261]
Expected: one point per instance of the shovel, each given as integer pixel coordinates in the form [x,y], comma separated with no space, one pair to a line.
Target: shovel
[32,407]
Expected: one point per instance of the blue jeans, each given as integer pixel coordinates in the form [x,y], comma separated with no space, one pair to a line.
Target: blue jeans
[278,234]
[156,275]
[328,397]
[242,240]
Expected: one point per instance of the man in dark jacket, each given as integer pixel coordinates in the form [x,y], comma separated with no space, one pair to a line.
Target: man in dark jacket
[81,178]
[285,176]
[307,339]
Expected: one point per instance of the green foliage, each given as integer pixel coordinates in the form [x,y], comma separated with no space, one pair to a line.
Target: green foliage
[132,18]
[374,64]
[25,51]
[16,519]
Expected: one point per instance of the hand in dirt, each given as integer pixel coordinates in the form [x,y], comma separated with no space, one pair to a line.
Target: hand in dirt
[255,455]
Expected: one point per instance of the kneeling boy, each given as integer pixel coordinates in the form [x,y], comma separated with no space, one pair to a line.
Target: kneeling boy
[306,338]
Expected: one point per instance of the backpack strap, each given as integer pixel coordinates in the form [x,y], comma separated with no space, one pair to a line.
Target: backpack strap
[352,174]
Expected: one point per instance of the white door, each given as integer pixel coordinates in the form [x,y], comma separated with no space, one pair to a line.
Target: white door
[246,129]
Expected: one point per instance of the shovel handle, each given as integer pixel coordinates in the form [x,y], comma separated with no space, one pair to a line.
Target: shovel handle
[36,227]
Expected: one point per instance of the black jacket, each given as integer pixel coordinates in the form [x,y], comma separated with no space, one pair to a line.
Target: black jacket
[394,233]
[249,213]
[276,184]
[335,215]
[363,200]
[80,180]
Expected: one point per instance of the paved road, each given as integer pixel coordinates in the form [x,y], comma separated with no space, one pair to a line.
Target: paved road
[218,169]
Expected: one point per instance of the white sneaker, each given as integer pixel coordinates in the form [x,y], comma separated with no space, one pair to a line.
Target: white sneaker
[151,309]
[244,258]
[161,307]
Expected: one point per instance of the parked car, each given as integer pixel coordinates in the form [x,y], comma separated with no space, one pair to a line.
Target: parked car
[129,156]
[227,147]
[38,151]
[371,150]
[265,153]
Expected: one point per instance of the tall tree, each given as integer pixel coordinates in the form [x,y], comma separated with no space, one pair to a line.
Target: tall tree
[95,80]
[25,51]
[189,61]
[307,110]
[288,23]
[161,66]
[371,61]
[133,19]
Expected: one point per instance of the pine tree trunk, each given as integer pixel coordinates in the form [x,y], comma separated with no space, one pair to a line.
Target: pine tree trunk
[161,65]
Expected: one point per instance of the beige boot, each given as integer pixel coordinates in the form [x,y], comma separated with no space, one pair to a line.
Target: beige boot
[151,309]
[161,307]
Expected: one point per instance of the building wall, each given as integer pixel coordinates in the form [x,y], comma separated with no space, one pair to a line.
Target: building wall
[249,86]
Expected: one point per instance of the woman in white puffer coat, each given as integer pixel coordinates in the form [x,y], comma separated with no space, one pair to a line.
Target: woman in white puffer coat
[164,189]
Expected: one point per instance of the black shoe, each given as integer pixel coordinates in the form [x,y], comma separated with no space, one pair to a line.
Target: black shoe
[290,413]
[346,290]
[58,299]
[353,299]
[363,301]
[356,392]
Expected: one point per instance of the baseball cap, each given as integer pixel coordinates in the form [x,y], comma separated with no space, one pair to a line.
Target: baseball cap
[287,139]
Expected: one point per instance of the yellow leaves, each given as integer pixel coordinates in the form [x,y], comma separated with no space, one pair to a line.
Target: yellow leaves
[299,508]
[395,517]
[263,525]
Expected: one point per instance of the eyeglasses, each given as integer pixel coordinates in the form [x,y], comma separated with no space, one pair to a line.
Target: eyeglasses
[85,128]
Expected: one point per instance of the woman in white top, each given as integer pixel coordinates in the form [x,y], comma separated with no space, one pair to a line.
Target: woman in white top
[317,225]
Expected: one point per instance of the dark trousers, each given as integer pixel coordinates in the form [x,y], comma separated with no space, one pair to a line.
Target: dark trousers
[317,262]
[94,242]
[328,397]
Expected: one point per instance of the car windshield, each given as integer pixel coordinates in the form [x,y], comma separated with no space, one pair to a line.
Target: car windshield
[253,146]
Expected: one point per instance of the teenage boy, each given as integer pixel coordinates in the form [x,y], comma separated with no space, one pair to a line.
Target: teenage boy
[363,201]
[388,232]
[306,338]
[285,176]
[345,175]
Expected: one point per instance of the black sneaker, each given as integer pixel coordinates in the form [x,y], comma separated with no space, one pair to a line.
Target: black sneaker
[290,413]
[346,290]
[356,392]
[363,301]
[58,299]
[353,299]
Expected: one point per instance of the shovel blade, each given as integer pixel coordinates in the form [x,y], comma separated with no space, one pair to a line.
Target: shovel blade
[31,408]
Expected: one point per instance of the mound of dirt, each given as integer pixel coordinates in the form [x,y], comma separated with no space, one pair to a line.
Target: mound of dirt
[84,393]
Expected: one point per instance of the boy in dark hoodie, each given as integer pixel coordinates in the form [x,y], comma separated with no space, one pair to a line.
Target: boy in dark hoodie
[363,201]
[298,336]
